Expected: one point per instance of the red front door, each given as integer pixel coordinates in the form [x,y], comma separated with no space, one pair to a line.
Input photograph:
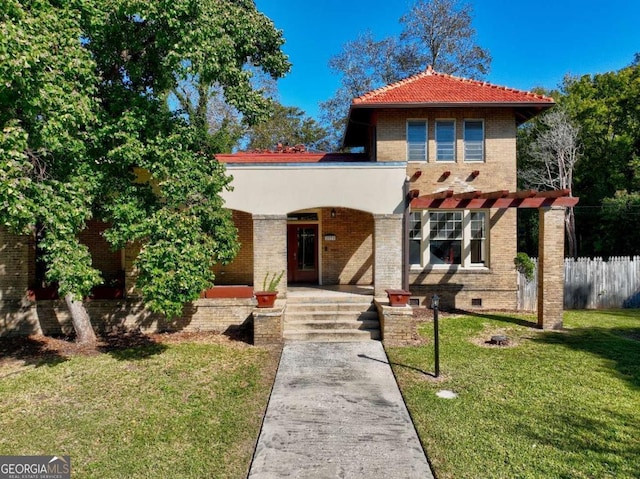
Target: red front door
[302,253]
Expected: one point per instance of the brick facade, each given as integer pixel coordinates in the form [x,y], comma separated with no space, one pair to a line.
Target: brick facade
[498,171]
[240,271]
[348,259]
[460,288]
[52,316]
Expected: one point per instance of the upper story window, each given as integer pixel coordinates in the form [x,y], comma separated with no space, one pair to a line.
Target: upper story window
[445,140]
[473,140]
[417,140]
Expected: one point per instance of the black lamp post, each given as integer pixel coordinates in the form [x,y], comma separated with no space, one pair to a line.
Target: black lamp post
[435,302]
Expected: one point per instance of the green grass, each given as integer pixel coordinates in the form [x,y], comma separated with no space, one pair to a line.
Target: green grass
[188,410]
[553,404]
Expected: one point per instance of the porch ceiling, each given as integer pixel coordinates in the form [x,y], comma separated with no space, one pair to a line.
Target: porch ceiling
[448,199]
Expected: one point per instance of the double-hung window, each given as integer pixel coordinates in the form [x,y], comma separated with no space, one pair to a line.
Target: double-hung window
[445,237]
[448,238]
[417,140]
[415,237]
[473,140]
[477,240]
[445,140]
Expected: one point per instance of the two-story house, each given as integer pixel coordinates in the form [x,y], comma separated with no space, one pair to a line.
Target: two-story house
[428,205]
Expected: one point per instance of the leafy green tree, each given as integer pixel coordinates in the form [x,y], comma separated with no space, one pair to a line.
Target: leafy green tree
[435,32]
[606,108]
[87,132]
[287,126]
[619,224]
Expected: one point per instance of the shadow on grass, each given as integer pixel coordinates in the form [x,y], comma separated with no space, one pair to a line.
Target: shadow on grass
[129,345]
[601,437]
[32,351]
[619,346]
[505,318]
[406,366]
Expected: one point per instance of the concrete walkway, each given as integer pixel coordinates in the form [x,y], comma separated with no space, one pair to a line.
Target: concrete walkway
[336,412]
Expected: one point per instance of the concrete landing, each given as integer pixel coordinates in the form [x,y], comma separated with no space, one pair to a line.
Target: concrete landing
[336,412]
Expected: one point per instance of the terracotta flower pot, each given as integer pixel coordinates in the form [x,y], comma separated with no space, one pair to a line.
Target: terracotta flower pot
[266,299]
[398,297]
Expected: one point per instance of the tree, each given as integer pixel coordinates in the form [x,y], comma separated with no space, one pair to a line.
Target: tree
[552,159]
[287,126]
[87,132]
[619,223]
[436,32]
[606,108]
[218,124]
[440,33]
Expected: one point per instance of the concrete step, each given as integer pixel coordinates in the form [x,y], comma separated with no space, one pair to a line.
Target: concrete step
[337,324]
[331,322]
[341,299]
[332,336]
[329,307]
[330,316]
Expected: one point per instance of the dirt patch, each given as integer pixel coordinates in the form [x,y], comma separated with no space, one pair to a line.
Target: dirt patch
[38,350]
[514,338]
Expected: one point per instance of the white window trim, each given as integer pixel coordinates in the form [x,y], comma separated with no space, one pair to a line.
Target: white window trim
[426,139]
[466,243]
[455,140]
[484,142]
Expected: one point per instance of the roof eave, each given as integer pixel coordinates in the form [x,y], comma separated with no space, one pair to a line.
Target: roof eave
[541,104]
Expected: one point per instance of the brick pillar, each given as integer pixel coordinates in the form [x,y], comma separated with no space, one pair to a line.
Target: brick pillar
[130,253]
[387,264]
[551,268]
[270,250]
[14,265]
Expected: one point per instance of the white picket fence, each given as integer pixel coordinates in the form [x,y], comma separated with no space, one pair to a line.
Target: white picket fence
[590,283]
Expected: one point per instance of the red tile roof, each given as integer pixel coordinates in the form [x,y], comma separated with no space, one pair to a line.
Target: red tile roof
[431,87]
[282,157]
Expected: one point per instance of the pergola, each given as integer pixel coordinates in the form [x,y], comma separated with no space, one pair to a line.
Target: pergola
[551,205]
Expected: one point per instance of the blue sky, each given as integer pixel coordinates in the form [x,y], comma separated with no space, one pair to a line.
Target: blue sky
[532,43]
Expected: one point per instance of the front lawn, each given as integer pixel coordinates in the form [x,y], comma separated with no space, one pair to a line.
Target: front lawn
[550,404]
[160,408]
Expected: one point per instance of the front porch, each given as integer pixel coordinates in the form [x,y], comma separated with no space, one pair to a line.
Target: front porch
[320,223]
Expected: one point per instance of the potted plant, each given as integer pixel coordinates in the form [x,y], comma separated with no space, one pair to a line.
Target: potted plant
[267,297]
[398,297]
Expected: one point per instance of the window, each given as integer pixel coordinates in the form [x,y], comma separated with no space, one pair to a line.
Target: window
[445,237]
[441,237]
[415,237]
[445,140]
[473,140]
[417,140]
[478,239]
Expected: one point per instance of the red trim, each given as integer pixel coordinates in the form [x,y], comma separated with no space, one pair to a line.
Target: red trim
[495,199]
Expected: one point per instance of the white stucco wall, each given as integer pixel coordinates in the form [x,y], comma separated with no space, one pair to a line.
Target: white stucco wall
[376,188]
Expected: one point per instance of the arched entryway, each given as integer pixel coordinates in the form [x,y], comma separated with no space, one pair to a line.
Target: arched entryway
[330,246]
